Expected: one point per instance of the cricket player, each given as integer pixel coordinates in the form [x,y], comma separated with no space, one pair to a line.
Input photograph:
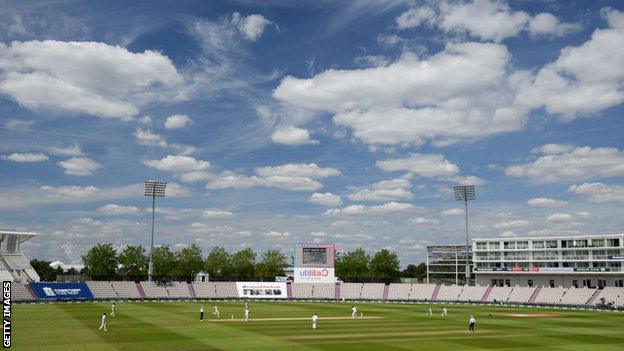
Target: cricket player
[353,312]
[113,308]
[103,325]
[215,312]
[201,313]
[471,324]
[429,311]
[246,315]
[444,312]
[314,319]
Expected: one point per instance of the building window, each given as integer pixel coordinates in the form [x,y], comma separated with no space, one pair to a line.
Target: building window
[551,244]
[494,245]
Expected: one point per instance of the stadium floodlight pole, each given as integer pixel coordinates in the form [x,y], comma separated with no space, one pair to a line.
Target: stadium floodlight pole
[153,188]
[465,193]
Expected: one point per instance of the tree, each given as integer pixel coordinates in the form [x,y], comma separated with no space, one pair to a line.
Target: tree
[164,261]
[385,265]
[190,261]
[133,261]
[413,271]
[219,263]
[271,266]
[43,269]
[353,265]
[101,261]
[243,264]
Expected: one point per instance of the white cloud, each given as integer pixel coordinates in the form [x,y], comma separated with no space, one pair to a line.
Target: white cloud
[276,235]
[547,25]
[545,202]
[147,137]
[26,157]
[553,149]
[510,224]
[252,26]
[73,191]
[559,217]
[79,166]
[583,80]
[508,234]
[423,221]
[355,210]
[289,135]
[292,176]
[82,77]
[73,150]
[383,191]
[311,170]
[424,165]
[195,176]
[118,210]
[178,121]
[318,234]
[488,20]
[414,17]
[14,123]
[599,192]
[172,163]
[452,212]
[326,199]
[217,214]
[578,163]
[457,94]
[177,190]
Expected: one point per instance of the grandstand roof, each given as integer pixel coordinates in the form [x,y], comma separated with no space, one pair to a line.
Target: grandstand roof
[23,235]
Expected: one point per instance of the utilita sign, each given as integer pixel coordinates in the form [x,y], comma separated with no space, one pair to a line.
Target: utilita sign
[314,275]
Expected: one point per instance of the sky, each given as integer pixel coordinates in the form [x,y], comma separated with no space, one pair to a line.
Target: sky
[279,122]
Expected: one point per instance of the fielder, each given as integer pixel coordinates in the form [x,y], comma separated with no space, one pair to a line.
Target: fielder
[215,312]
[113,309]
[444,312]
[201,313]
[314,319]
[353,312]
[246,315]
[471,324]
[429,311]
[103,325]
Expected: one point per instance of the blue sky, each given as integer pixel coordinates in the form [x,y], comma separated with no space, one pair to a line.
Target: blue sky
[279,122]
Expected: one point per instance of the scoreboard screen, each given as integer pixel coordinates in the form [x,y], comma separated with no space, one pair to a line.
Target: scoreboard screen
[315,255]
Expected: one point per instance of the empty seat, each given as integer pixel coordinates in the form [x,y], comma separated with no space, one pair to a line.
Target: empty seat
[205,290]
[400,291]
[102,289]
[422,292]
[372,291]
[126,290]
[472,293]
[351,291]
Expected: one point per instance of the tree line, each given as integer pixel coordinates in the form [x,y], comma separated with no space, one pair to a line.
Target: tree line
[103,262]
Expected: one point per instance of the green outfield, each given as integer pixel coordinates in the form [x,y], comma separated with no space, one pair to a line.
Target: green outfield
[158,326]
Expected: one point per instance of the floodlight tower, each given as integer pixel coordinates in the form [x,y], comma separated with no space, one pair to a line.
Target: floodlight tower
[465,193]
[154,189]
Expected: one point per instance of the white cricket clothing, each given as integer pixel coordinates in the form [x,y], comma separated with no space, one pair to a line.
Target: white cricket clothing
[354,312]
[103,325]
[472,320]
[246,314]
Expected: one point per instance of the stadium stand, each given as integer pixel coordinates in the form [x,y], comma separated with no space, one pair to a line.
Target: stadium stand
[154,291]
[577,296]
[179,290]
[351,291]
[225,289]
[20,292]
[611,295]
[520,294]
[102,289]
[5,275]
[324,291]
[550,295]
[472,293]
[19,264]
[422,292]
[205,290]
[449,292]
[126,290]
[372,291]
[399,291]
[499,294]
